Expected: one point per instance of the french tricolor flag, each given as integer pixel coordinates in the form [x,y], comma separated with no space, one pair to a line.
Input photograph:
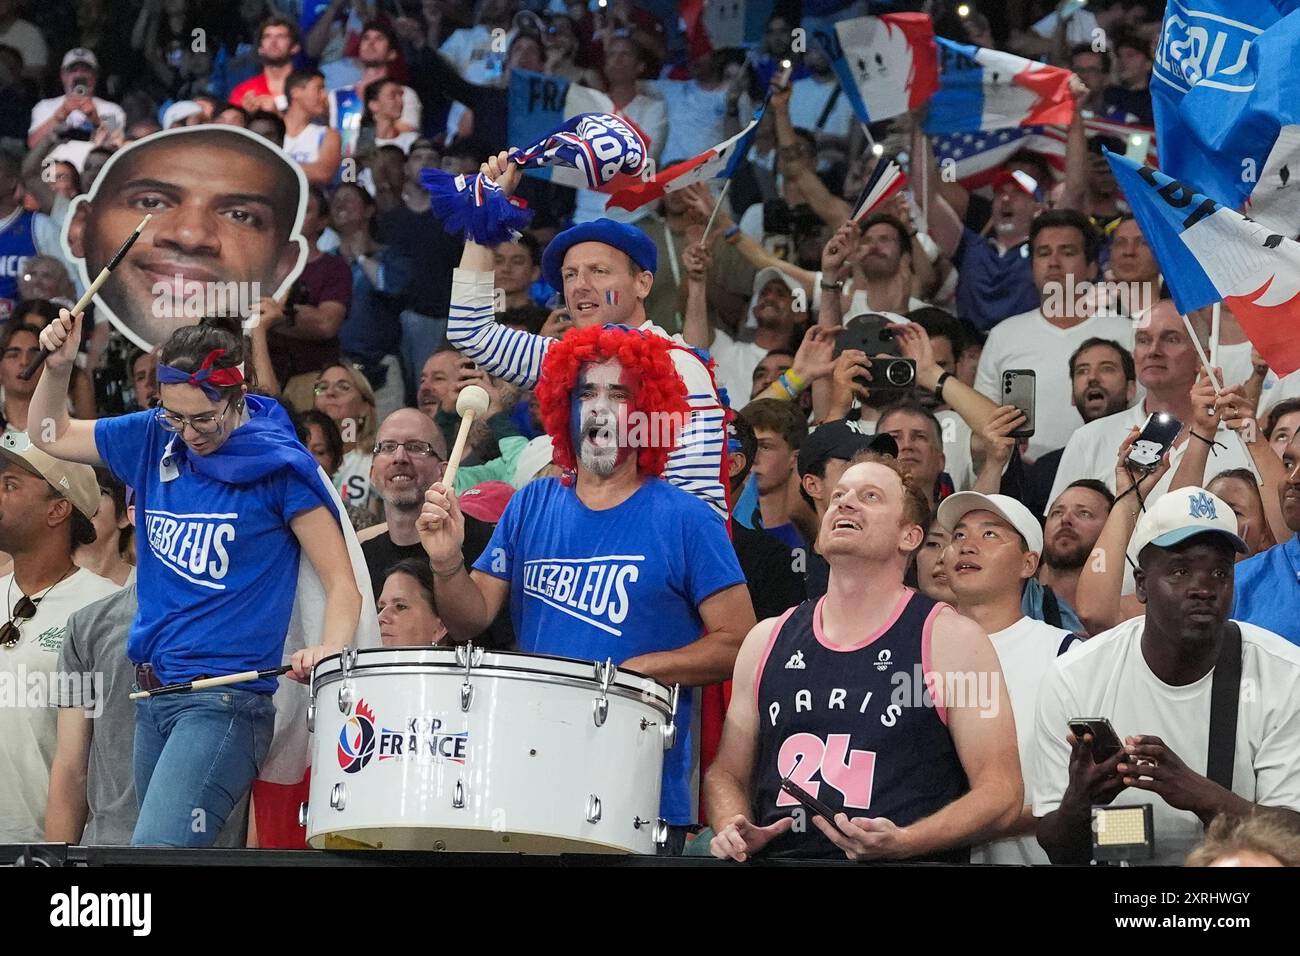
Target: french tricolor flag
[983,89]
[887,65]
[1208,252]
[720,162]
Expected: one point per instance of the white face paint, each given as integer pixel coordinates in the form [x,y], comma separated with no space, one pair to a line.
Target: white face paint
[600,391]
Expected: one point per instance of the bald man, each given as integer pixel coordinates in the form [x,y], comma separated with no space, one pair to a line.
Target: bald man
[410,455]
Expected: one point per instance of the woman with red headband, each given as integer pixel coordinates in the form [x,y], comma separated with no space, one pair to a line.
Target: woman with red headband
[228,501]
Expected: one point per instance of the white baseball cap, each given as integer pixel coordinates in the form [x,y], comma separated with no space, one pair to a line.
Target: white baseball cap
[954,507]
[1182,514]
[81,55]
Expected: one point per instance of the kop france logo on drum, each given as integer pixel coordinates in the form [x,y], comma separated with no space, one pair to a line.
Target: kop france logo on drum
[423,739]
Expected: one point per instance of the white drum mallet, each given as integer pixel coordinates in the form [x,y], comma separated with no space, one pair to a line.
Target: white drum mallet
[471,403]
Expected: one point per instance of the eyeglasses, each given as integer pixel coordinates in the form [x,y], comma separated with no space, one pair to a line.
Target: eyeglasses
[208,423]
[416,449]
[9,634]
[343,388]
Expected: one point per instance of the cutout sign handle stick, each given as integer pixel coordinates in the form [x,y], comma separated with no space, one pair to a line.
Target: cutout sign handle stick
[91,289]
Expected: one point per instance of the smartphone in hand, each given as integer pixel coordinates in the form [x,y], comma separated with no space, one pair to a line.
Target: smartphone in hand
[1105,742]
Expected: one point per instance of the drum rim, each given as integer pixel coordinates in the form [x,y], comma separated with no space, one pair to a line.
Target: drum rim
[661,691]
[515,673]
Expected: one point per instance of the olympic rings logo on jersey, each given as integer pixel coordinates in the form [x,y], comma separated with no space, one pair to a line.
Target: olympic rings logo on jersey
[357,739]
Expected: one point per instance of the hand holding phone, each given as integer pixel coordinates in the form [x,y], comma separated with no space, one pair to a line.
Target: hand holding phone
[1156,438]
[1105,742]
[809,802]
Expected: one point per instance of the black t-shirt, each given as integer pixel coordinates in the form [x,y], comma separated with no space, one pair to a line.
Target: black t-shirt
[774,585]
[432,252]
[381,554]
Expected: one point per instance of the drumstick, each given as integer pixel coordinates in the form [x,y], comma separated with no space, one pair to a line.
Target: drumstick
[206,682]
[89,294]
[472,402]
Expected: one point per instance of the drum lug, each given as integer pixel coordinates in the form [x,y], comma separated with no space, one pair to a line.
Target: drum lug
[593,809]
[346,694]
[658,829]
[458,795]
[311,716]
[669,729]
[348,660]
[302,814]
[465,657]
[660,832]
[338,796]
[600,706]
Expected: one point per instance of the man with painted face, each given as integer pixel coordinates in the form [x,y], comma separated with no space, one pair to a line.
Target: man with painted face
[605,270]
[609,561]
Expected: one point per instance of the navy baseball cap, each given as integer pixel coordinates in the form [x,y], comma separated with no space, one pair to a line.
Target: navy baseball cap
[628,239]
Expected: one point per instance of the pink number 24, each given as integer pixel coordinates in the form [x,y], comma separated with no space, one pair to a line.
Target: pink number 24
[851,772]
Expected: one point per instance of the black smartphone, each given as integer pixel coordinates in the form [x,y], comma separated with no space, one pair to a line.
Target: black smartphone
[808,801]
[1157,435]
[1105,742]
[868,333]
[1018,385]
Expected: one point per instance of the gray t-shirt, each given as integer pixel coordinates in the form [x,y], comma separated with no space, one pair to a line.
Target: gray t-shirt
[96,644]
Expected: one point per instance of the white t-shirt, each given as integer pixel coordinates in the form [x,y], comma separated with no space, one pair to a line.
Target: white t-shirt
[110,114]
[1091,452]
[1078,29]
[734,364]
[352,480]
[28,717]
[304,146]
[696,117]
[402,141]
[470,51]
[1029,341]
[1108,676]
[1026,651]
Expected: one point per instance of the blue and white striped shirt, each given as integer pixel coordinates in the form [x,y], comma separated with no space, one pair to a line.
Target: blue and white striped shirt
[695,465]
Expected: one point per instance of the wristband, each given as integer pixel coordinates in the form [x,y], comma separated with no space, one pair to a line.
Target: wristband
[732,235]
[795,379]
[832,286]
[938,387]
[448,574]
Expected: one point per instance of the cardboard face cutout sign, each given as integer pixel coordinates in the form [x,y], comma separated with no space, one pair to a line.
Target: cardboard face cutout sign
[227,209]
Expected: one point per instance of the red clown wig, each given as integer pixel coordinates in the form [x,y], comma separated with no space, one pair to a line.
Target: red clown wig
[646,355]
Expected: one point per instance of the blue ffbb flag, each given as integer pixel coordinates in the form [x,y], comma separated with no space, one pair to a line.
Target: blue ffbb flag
[887,65]
[1209,252]
[1205,43]
[1245,121]
[982,89]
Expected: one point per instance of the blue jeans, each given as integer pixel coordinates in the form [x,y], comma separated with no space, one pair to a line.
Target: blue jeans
[196,755]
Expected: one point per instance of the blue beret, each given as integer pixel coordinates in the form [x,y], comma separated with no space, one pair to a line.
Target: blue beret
[629,239]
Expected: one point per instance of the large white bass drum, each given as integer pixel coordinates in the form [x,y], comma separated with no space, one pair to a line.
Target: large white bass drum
[462,749]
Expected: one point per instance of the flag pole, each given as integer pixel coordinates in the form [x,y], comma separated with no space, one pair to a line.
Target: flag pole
[924,160]
[1209,370]
[726,184]
[1214,333]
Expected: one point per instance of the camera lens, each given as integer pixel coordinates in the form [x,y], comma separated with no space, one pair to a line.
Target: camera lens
[899,373]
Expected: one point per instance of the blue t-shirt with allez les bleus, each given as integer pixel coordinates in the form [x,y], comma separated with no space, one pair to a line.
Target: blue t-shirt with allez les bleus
[217,562]
[616,583]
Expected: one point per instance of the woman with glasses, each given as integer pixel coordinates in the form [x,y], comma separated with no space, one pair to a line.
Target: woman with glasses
[228,502]
[344,394]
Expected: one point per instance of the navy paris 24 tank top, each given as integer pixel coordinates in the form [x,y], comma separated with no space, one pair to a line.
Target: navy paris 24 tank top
[855,726]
